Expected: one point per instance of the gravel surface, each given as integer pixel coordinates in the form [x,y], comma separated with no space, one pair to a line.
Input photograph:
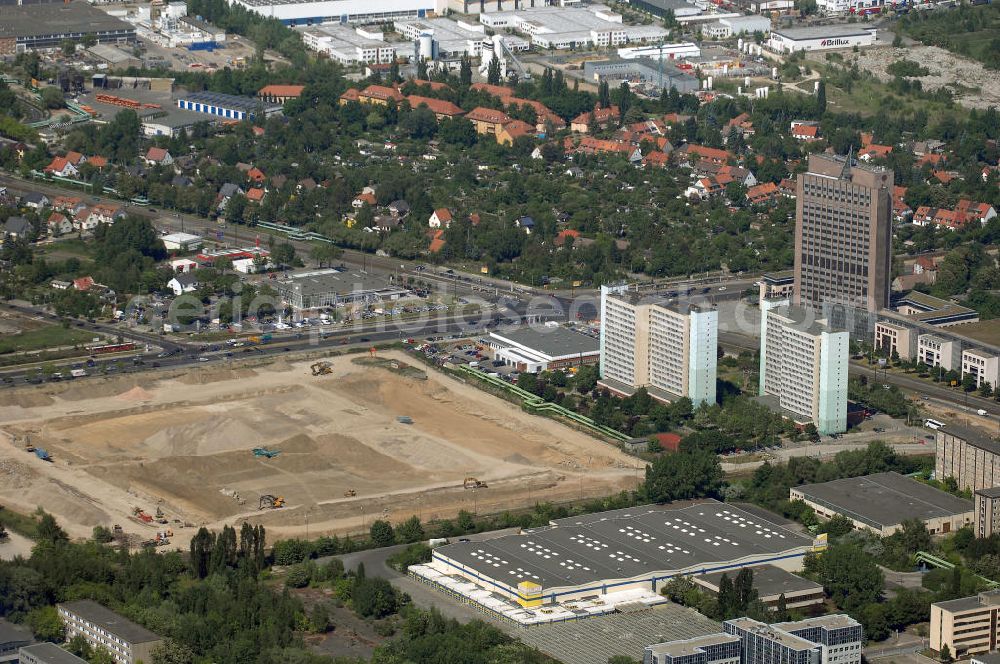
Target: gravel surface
[946,69]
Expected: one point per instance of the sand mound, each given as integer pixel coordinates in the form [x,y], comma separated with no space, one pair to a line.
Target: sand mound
[210,436]
[137,393]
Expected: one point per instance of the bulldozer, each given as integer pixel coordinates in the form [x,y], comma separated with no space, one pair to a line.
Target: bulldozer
[269,502]
[321,368]
[350,493]
[473,483]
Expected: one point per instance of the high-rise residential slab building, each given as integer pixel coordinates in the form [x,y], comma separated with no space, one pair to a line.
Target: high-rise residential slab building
[803,365]
[665,346]
[843,235]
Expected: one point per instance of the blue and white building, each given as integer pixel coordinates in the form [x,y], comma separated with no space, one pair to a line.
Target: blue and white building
[668,347]
[803,365]
[226,107]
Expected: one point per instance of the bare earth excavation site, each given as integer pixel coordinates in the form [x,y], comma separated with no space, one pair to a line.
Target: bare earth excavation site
[183,443]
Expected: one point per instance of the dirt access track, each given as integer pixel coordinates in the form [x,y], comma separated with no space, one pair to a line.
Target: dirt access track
[183,442]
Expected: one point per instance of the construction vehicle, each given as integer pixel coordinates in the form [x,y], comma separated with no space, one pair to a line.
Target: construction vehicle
[350,493]
[473,483]
[140,514]
[321,368]
[264,452]
[160,518]
[269,502]
[404,419]
[42,454]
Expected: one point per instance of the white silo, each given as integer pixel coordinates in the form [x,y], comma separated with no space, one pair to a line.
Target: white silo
[425,47]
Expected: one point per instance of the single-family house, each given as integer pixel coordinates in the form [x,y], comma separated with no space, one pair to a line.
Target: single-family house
[104,213]
[183,282]
[35,200]
[437,240]
[805,131]
[226,193]
[58,224]
[158,157]
[363,199]
[255,194]
[18,228]
[399,208]
[525,223]
[440,218]
[61,167]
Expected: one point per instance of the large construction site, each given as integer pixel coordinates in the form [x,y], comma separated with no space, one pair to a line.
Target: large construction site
[301,448]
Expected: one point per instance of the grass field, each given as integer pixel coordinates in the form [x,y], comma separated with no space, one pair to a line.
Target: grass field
[48,336]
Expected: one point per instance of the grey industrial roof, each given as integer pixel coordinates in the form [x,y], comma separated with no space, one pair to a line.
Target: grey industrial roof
[969,603]
[770,581]
[550,341]
[323,282]
[42,20]
[50,653]
[691,646]
[974,437]
[831,621]
[986,658]
[118,625]
[779,635]
[623,544]
[821,31]
[991,492]
[13,634]
[247,104]
[884,499]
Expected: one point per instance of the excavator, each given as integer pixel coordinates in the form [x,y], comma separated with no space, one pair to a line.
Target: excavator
[269,502]
[321,368]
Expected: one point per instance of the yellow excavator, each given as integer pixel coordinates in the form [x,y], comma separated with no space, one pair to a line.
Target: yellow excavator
[269,502]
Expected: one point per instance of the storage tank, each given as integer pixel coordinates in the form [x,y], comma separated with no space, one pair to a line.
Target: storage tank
[425,46]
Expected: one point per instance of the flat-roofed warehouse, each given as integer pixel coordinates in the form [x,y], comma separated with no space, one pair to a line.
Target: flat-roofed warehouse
[883,501]
[771,583]
[820,38]
[611,557]
[534,349]
[43,26]
[332,287]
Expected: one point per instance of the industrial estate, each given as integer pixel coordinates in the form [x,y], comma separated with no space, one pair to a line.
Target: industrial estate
[656,331]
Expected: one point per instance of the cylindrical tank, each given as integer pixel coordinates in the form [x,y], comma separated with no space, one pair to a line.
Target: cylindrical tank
[739,44]
[426,46]
[709,82]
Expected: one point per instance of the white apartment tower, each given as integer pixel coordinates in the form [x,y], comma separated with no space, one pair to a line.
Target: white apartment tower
[803,362]
[667,347]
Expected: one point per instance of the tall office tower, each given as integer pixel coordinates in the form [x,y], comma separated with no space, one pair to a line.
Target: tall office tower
[843,237]
[667,347]
[803,364]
